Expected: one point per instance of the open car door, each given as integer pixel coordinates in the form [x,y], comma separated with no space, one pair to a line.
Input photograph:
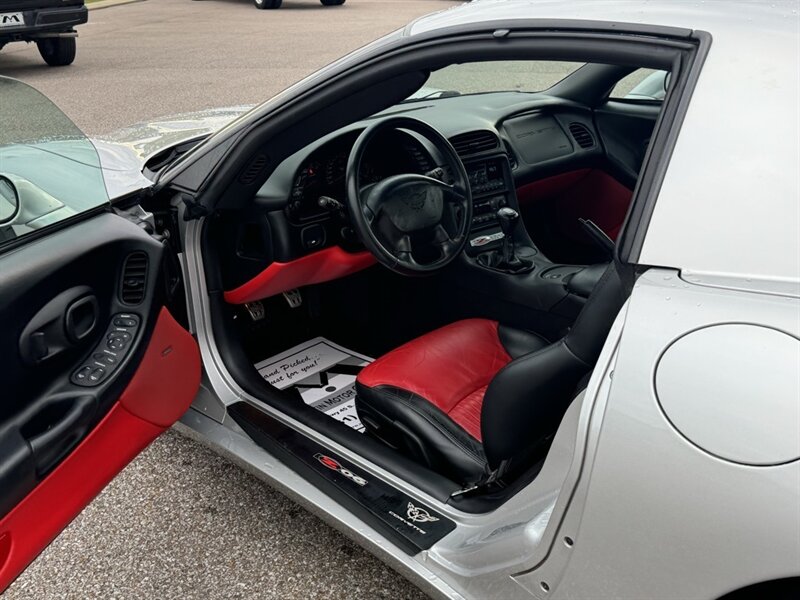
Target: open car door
[93,364]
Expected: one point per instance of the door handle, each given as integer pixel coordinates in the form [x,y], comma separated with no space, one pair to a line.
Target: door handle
[81,318]
[56,427]
[61,324]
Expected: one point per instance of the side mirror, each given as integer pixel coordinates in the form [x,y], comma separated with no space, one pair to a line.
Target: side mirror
[9,201]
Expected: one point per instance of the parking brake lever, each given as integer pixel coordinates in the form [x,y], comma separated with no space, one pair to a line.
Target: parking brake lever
[598,237]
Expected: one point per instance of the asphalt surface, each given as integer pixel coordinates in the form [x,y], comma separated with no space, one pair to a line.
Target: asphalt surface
[181,522]
[162,57]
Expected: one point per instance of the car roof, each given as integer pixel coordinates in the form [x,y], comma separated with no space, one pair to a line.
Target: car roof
[724,17]
[729,204]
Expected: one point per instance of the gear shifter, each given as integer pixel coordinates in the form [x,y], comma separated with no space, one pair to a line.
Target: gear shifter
[508,219]
[507,259]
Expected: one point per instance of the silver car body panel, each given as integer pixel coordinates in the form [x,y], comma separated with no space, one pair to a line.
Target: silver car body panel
[627,505]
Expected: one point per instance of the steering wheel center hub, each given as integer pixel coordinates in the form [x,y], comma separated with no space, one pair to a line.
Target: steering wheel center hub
[414,206]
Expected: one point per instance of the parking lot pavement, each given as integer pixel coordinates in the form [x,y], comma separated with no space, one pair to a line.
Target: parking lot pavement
[160,57]
[180,522]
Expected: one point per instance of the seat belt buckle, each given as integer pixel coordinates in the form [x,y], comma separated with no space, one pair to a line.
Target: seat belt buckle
[466,490]
[489,479]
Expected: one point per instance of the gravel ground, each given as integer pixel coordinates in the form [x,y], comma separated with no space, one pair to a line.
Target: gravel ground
[180,522]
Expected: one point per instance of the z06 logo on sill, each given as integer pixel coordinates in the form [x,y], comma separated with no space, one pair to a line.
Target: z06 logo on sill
[334,465]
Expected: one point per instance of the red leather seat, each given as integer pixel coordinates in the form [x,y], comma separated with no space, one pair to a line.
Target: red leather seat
[476,397]
[434,387]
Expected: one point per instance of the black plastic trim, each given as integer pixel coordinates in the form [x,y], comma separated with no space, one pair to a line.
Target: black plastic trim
[408,523]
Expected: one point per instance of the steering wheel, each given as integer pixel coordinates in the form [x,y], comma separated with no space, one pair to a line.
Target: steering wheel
[412,223]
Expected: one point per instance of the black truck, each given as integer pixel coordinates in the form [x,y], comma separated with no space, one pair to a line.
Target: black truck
[48,23]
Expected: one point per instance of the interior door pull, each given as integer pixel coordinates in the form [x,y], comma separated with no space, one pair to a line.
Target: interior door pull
[54,430]
[64,323]
[80,318]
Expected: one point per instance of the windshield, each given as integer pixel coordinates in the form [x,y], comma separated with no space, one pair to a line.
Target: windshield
[52,165]
[495,76]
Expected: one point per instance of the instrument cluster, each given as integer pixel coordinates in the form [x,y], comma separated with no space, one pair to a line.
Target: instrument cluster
[323,174]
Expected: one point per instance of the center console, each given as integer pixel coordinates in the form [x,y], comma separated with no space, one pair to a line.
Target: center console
[495,239]
[502,271]
[492,188]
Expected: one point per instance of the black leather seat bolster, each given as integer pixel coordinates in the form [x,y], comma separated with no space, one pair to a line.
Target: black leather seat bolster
[584,281]
[588,335]
[518,342]
[413,424]
[526,401]
[528,397]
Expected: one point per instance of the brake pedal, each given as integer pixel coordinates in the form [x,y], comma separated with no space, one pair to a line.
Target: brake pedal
[256,310]
[294,298]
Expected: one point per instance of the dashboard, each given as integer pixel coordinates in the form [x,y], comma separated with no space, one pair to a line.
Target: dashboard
[506,141]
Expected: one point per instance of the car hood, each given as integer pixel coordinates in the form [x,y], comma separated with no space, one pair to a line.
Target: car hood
[124,153]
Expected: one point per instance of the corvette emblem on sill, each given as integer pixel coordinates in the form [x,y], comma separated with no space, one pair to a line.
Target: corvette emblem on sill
[415,514]
[419,515]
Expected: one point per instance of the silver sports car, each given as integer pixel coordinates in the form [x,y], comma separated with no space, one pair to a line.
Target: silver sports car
[510,296]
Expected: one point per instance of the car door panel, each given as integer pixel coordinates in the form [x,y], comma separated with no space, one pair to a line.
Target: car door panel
[94,367]
[625,129]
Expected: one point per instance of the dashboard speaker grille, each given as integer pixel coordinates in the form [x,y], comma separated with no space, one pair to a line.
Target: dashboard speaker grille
[474,142]
[134,278]
[581,135]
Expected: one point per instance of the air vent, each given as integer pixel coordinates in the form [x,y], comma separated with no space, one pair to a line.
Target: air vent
[251,171]
[581,135]
[512,157]
[474,142]
[134,278]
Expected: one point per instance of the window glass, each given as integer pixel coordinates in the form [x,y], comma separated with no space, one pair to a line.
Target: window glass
[48,167]
[642,84]
[495,76]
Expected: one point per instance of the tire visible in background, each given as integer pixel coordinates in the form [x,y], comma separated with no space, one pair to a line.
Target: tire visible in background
[262,4]
[332,2]
[57,52]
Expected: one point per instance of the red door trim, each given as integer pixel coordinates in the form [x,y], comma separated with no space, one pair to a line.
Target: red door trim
[318,267]
[584,193]
[161,390]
